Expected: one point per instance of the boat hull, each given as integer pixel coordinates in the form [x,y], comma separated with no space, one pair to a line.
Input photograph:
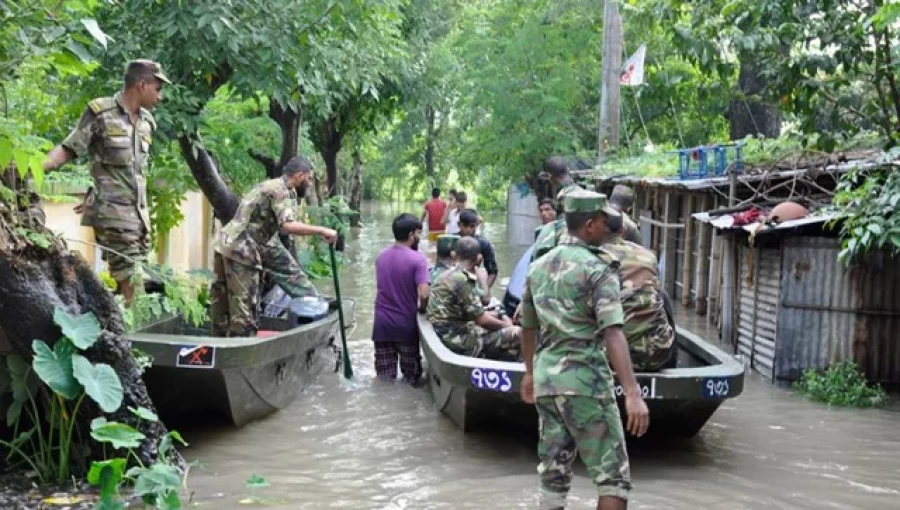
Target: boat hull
[472,391]
[242,379]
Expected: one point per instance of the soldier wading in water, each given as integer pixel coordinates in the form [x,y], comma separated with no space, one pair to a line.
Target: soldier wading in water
[249,245]
[116,132]
[572,294]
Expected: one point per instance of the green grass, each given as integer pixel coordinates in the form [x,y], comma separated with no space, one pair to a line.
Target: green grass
[841,385]
[756,152]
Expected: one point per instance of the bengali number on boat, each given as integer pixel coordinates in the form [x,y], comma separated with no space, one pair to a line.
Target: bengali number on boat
[716,387]
[648,388]
[494,380]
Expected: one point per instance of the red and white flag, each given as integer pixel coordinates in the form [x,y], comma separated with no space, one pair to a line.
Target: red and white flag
[633,71]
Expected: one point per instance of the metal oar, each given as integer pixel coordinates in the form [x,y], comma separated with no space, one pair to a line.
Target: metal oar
[348,370]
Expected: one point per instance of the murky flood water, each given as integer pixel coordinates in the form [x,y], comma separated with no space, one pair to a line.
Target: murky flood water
[367,444]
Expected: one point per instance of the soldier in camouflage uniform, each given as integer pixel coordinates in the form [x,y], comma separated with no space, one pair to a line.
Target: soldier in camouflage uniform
[446,255]
[572,295]
[116,133]
[458,316]
[622,198]
[249,245]
[557,171]
[650,335]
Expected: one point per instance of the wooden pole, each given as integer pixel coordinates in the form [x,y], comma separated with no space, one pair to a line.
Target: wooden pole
[608,127]
[688,244]
[703,264]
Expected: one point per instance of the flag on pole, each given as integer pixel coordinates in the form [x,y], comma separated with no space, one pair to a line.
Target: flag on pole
[633,71]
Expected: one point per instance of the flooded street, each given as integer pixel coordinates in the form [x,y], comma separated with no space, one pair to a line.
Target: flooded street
[363,444]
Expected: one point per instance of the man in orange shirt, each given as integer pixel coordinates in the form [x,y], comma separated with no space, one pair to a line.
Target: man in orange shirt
[434,209]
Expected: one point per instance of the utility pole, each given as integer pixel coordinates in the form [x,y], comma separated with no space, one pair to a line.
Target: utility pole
[610,104]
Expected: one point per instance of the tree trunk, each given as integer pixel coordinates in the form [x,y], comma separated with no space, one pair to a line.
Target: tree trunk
[430,115]
[356,188]
[205,171]
[34,281]
[288,118]
[748,113]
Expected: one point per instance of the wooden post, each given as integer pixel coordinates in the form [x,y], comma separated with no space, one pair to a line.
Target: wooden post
[688,250]
[701,303]
[669,242]
[611,66]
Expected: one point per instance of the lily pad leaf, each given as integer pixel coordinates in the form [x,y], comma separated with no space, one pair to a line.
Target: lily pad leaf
[83,330]
[118,434]
[144,414]
[100,383]
[55,367]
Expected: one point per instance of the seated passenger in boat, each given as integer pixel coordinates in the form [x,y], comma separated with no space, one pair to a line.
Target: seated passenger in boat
[469,222]
[446,255]
[648,329]
[458,315]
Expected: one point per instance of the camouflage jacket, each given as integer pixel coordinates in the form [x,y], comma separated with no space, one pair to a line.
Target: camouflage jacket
[549,235]
[260,216]
[118,152]
[572,295]
[632,233]
[647,326]
[452,309]
[435,271]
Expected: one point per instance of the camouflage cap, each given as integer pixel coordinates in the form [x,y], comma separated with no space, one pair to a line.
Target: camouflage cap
[587,201]
[447,242]
[150,66]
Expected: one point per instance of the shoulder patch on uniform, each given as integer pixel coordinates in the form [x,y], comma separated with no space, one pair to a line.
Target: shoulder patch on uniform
[102,104]
[146,115]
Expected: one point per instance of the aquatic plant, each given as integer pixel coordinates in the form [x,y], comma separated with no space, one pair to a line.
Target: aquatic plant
[69,378]
[842,384]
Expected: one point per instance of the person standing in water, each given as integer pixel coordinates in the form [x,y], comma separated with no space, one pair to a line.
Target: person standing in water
[403,283]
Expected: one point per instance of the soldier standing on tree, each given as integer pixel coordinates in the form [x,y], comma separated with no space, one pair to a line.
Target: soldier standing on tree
[116,132]
[572,295]
[249,245]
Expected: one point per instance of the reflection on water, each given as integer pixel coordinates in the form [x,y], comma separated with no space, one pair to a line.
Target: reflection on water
[367,444]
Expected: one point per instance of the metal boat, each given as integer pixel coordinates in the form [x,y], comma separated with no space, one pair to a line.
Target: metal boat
[243,379]
[477,391]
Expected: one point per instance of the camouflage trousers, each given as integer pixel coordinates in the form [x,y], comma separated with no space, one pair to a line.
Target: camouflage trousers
[235,289]
[130,246]
[587,426]
[653,350]
[470,340]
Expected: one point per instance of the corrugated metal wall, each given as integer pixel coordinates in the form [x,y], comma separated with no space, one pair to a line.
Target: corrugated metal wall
[759,290]
[830,313]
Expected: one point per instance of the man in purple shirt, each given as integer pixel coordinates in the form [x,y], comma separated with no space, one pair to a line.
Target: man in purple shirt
[401,273]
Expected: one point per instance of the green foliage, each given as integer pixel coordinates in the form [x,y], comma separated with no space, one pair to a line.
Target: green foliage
[69,378]
[83,330]
[100,383]
[831,65]
[185,294]
[157,484]
[868,203]
[55,368]
[841,385]
[313,254]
